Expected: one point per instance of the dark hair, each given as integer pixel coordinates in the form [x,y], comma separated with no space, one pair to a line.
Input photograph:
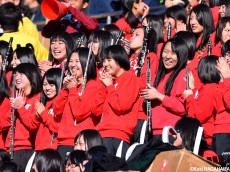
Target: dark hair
[4,156]
[220,27]
[33,74]
[25,54]
[177,13]
[94,151]
[204,18]
[91,137]
[227,4]
[76,157]
[207,71]
[3,50]
[64,37]
[113,29]
[53,76]
[4,89]
[155,23]
[9,166]
[10,16]
[188,128]
[190,41]
[131,19]
[49,160]
[79,37]
[118,53]
[225,47]
[83,55]
[179,47]
[104,40]
[213,3]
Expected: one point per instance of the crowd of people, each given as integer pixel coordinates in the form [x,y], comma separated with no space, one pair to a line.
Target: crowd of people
[80,104]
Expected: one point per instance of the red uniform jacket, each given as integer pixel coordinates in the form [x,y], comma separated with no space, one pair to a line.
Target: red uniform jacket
[202,106]
[75,112]
[171,109]
[79,22]
[26,125]
[222,119]
[5,110]
[118,104]
[49,126]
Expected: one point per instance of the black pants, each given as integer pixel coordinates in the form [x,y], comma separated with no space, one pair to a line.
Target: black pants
[113,143]
[221,145]
[64,150]
[21,157]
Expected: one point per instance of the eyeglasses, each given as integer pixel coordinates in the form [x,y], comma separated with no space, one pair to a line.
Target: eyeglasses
[71,165]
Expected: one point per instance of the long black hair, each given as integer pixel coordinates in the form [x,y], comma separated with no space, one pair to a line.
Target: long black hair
[53,76]
[83,54]
[179,47]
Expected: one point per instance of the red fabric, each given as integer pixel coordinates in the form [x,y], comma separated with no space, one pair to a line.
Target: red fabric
[79,22]
[216,49]
[171,109]
[173,32]
[8,77]
[119,106]
[207,153]
[5,110]
[49,125]
[26,125]
[222,119]
[159,48]
[124,26]
[215,15]
[203,108]
[68,106]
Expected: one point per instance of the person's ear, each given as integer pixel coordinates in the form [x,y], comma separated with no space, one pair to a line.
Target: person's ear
[85,5]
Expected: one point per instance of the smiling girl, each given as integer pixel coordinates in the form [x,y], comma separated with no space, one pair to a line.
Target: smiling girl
[168,87]
[73,106]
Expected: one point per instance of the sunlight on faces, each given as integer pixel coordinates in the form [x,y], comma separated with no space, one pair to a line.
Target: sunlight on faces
[169,58]
[139,7]
[72,167]
[112,67]
[136,40]
[22,82]
[58,50]
[171,20]
[227,57]
[95,48]
[78,4]
[222,10]
[49,89]
[75,66]
[15,61]
[80,144]
[226,33]
[195,25]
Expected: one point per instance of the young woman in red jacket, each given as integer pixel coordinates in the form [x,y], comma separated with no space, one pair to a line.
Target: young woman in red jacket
[117,100]
[200,102]
[168,86]
[47,131]
[72,105]
[28,84]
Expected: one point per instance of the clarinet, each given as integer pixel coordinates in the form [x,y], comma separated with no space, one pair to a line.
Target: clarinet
[169,29]
[209,47]
[119,36]
[143,51]
[86,69]
[4,63]
[12,120]
[187,78]
[148,102]
[79,41]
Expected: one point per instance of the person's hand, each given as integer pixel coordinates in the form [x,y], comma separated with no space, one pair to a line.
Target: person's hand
[223,67]
[180,27]
[39,108]
[106,79]
[151,93]
[170,3]
[146,11]
[19,100]
[187,93]
[69,82]
[191,81]
[44,65]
